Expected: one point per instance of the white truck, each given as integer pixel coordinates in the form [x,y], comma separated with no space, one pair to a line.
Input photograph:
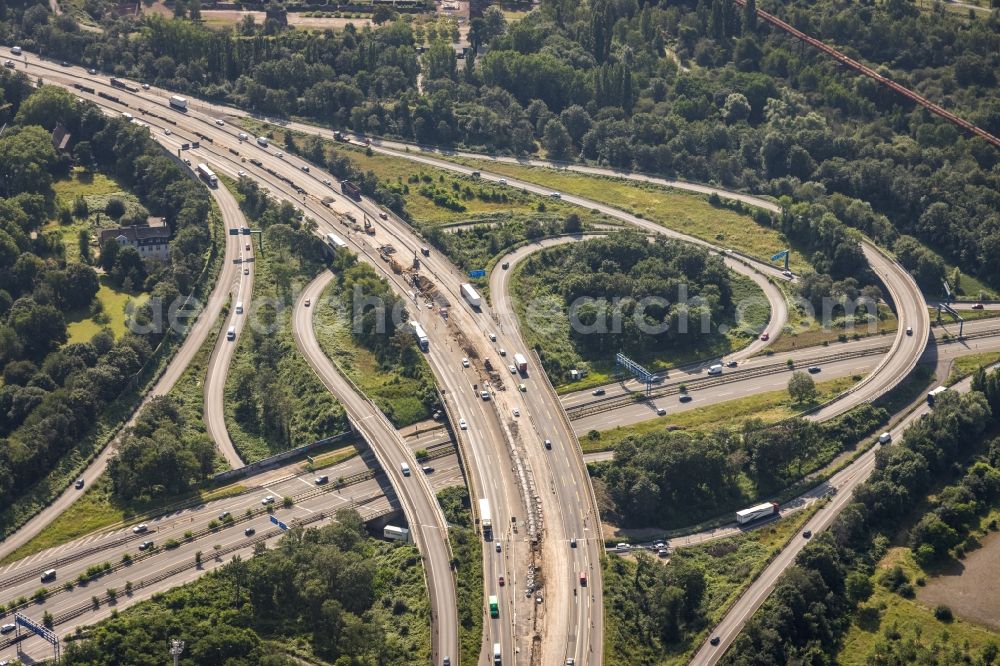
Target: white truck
[262,141]
[756,513]
[420,335]
[394,533]
[471,295]
[485,518]
[178,102]
[522,363]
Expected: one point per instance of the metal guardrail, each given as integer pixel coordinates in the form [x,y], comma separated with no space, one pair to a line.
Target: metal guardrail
[81,609]
[615,401]
[576,447]
[124,539]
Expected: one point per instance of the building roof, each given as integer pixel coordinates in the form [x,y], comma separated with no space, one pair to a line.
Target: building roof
[140,235]
[60,137]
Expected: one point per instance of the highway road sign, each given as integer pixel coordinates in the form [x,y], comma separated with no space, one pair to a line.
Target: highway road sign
[477,273]
[234,232]
[280,524]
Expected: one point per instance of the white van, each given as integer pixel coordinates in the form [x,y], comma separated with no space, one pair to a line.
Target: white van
[884,438]
[231,333]
[715,369]
[497,659]
[404,468]
[239,307]
[16,50]
[48,575]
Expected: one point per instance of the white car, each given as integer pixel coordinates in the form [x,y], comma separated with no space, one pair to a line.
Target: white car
[139,529]
[220,123]
[462,424]
[513,370]
[493,337]
[7,628]
[240,174]
[326,181]
[267,500]
[465,362]
[503,352]
[166,130]
[884,438]
[145,86]
[280,155]
[502,181]
[517,412]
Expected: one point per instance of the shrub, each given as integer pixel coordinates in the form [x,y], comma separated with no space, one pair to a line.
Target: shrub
[943,613]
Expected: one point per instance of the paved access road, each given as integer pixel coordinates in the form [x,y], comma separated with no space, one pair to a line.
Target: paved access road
[845,482]
[229,275]
[424,516]
[241,292]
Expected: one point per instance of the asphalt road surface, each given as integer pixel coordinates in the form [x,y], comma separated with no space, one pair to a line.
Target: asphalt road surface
[240,291]
[424,516]
[199,332]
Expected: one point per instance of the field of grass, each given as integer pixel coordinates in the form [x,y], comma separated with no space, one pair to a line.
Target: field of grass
[82,325]
[729,566]
[681,211]
[966,365]
[466,548]
[479,199]
[96,189]
[770,407]
[398,396]
[894,619]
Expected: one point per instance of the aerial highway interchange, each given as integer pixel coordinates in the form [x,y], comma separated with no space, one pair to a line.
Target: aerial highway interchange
[542,499]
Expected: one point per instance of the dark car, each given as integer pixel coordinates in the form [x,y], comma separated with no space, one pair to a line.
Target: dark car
[145,545]
[685,398]
[813,369]
[64,63]
[807,534]
[978,306]
[598,392]
[79,483]
[249,531]
[715,640]
[731,364]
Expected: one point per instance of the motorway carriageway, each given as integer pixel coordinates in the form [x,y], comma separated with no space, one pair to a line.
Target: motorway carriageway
[223,158]
[898,364]
[371,496]
[842,360]
[229,281]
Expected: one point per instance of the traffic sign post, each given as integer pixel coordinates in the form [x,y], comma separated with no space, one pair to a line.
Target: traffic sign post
[39,630]
[639,372]
[477,273]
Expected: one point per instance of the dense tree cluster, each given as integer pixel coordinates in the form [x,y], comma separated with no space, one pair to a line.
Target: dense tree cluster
[156,457]
[266,390]
[53,392]
[372,310]
[672,478]
[663,602]
[810,608]
[603,81]
[337,594]
[629,294]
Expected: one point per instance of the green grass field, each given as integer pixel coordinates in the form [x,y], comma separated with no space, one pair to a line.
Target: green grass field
[398,396]
[396,173]
[966,365]
[770,407]
[674,209]
[907,620]
[81,326]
